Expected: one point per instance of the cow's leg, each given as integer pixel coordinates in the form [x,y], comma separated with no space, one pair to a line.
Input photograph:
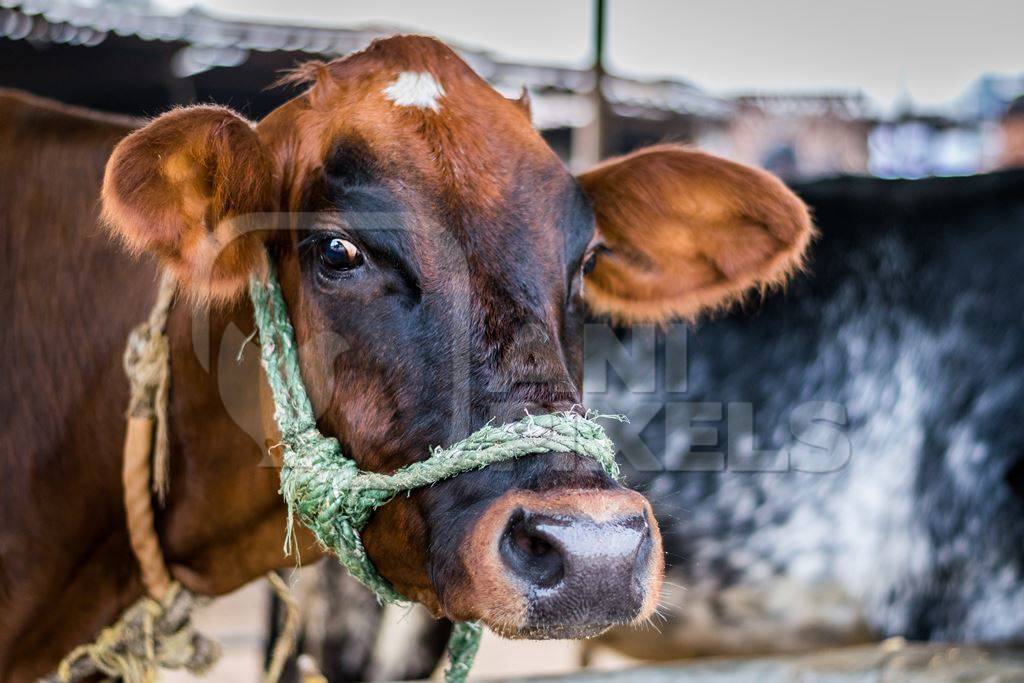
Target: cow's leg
[351,637]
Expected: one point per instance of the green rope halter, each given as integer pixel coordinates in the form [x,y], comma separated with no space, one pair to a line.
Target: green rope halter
[334,498]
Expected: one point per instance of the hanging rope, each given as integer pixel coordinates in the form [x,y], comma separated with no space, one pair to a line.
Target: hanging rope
[286,639]
[147,363]
[157,630]
[335,499]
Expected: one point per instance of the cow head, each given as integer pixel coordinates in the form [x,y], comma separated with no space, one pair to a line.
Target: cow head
[438,261]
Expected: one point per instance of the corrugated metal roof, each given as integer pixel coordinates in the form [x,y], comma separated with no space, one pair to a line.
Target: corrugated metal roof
[559,94]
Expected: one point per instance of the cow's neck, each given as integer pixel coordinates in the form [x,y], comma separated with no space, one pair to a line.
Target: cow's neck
[223,524]
[224,521]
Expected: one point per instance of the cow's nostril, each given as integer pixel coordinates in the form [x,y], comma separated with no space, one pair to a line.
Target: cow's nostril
[530,553]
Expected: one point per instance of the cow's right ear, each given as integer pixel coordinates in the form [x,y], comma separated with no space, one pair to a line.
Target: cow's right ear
[190,188]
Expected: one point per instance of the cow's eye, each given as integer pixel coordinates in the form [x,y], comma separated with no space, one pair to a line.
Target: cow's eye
[590,260]
[339,254]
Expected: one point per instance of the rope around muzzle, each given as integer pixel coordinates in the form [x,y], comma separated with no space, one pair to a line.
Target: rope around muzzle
[334,498]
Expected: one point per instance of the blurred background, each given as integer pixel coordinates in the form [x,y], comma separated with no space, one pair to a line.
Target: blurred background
[808,90]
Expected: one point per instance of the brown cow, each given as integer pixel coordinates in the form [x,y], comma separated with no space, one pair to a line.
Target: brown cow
[433,259]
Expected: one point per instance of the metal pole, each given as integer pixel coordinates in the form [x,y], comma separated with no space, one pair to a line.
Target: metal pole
[589,142]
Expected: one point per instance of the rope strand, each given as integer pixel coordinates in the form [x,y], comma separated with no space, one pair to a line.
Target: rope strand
[157,630]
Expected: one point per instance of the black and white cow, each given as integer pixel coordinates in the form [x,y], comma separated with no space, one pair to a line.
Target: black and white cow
[845,460]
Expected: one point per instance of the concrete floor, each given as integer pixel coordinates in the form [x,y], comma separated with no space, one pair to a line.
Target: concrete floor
[237,621]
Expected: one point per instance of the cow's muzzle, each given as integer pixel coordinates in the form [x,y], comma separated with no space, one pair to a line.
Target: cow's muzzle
[561,564]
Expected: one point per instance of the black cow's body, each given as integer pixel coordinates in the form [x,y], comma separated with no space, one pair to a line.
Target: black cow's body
[904,344]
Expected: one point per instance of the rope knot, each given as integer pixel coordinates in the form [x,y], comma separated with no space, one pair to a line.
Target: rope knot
[145,363]
[150,635]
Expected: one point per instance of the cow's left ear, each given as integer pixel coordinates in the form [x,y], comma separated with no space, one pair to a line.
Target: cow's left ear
[193,188]
[687,232]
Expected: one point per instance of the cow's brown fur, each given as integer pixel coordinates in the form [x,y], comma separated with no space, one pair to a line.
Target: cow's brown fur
[183,188]
[689,233]
[66,568]
[190,205]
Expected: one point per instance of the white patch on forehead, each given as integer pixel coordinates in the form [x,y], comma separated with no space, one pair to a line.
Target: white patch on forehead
[415,89]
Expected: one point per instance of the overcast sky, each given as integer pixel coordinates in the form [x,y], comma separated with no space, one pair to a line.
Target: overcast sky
[929,48]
